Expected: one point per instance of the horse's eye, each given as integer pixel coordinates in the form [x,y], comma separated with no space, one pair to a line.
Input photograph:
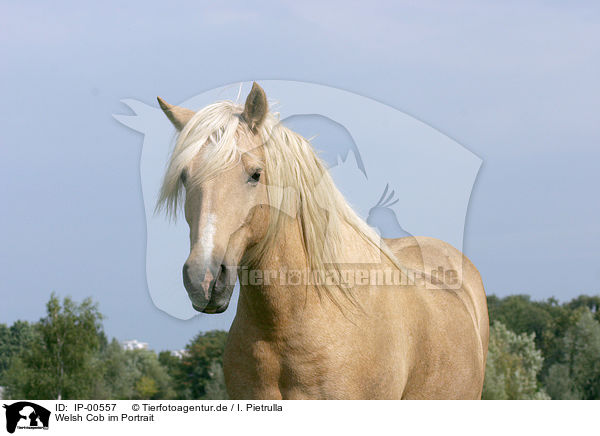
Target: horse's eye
[255,177]
[183,176]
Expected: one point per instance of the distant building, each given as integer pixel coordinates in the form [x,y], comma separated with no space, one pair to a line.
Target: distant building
[178,353]
[134,344]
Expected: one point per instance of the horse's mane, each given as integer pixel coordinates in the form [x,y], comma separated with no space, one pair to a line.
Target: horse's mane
[296,179]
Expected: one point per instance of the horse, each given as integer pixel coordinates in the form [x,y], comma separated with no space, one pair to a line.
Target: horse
[327,309]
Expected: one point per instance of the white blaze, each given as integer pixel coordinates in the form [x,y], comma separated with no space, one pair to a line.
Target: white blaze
[208,243]
[208,236]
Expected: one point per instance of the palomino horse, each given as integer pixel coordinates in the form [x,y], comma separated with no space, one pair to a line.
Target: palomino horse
[326,309]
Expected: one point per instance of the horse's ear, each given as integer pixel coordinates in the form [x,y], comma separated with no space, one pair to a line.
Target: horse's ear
[256,107]
[179,116]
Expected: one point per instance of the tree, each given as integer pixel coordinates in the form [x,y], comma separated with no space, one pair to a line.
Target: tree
[13,340]
[577,375]
[146,387]
[59,361]
[118,379]
[591,302]
[133,375]
[521,315]
[152,382]
[559,384]
[548,320]
[215,389]
[198,368]
[512,366]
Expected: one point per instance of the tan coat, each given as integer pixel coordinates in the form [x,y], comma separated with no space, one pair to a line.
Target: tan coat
[411,342]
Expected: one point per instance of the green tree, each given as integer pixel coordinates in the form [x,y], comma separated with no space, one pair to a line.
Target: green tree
[197,367]
[118,379]
[559,384]
[59,361]
[215,389]
[146,387]
[577,376]
[131,374]
[521,315]
[512,366]
[548,320]
[13,340]
[170,362]
[173,365]
[143,366]
[591,302]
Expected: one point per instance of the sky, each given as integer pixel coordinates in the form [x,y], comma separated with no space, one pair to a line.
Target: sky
[513,82]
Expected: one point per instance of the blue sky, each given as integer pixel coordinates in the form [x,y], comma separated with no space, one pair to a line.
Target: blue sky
[515,83]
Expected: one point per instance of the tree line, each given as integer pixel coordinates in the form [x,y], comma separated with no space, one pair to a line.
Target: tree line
[538,350]
[66,355]
[543,349]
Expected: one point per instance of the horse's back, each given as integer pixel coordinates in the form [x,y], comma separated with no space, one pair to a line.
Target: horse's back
[455,275]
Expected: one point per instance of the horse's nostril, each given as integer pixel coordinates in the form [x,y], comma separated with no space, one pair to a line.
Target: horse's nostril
[220,273]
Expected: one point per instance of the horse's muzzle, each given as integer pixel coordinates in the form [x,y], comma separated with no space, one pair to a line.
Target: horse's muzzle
[210,292]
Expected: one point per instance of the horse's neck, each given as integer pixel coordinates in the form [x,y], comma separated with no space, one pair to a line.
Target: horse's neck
[280,300]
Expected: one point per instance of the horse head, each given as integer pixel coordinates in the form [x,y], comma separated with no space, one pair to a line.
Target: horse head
[218,168]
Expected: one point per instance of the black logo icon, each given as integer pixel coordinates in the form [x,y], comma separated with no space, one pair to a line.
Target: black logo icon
[26,415]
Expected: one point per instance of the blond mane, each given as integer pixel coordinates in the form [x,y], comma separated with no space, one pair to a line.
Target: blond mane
[296,179]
